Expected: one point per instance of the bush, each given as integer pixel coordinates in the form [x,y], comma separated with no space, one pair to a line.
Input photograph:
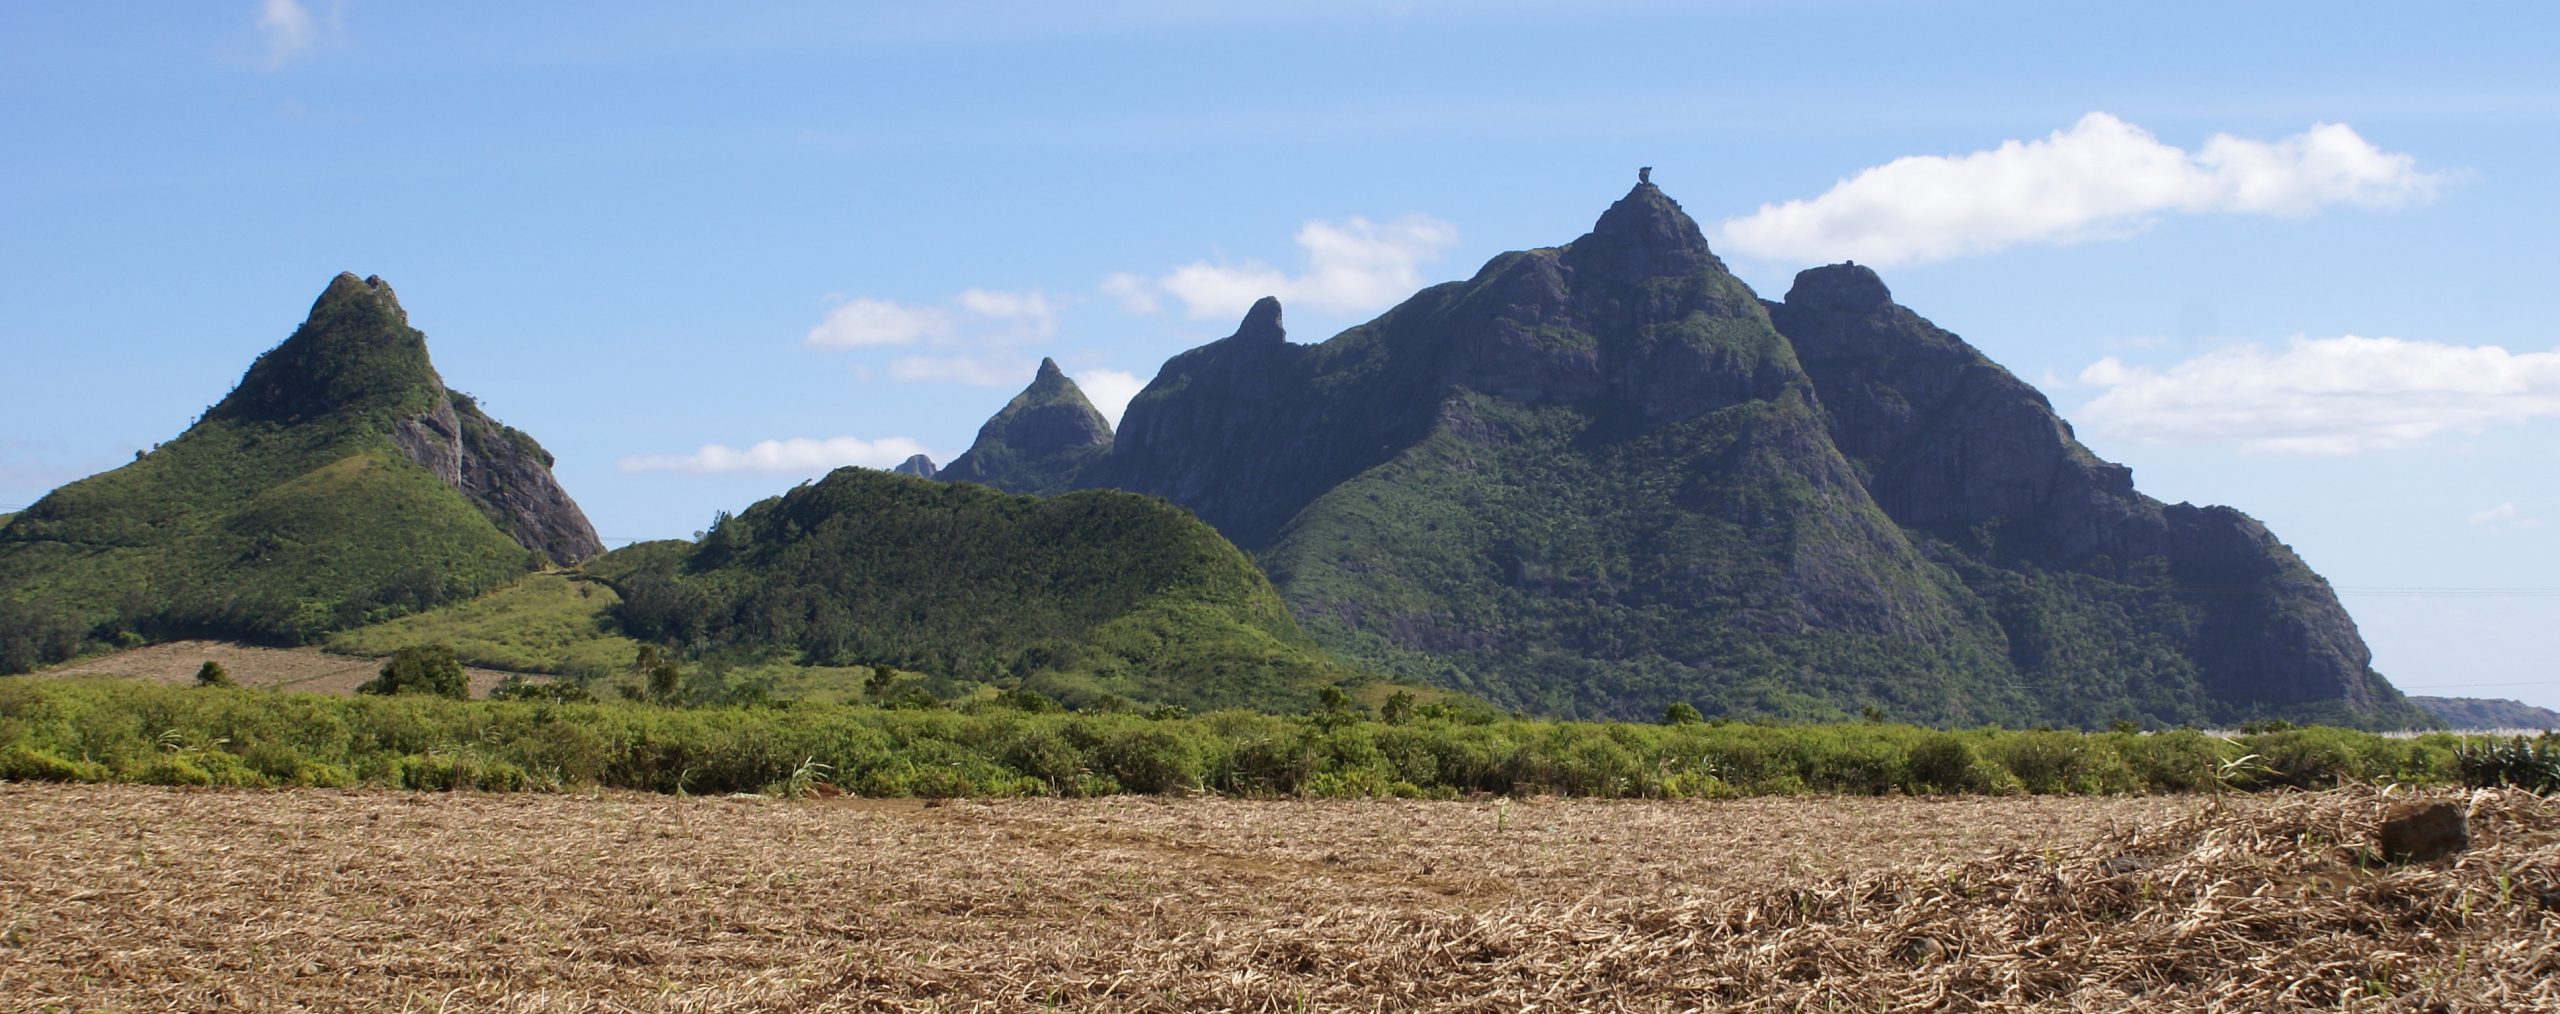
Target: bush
[426,669]
[1942,762]
[212,674]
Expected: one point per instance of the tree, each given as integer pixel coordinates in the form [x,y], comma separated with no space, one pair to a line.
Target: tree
[212,674]
[1398,709]
[1681,713]
[426,669]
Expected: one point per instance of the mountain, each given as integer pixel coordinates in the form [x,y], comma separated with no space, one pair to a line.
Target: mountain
[1042,440]
[1082,595]
[2485,714]
[1600,478]
[916,465]
[338,483]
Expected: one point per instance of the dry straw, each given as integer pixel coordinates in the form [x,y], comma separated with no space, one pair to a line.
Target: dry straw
[135,898]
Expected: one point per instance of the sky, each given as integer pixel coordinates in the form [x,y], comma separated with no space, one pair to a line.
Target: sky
[2291,257]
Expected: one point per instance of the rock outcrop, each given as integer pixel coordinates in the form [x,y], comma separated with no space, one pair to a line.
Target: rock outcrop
[917,465]
[1040,443]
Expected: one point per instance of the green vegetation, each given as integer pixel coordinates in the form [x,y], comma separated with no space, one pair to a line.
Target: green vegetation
[1040,442]
[1082,597]
[285,513]
[212,674]
[113,730]
[420,671]
[2530,764]
[554,623]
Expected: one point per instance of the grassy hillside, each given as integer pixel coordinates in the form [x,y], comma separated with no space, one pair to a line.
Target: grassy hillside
[1080,595]
[548,623]
[296,506]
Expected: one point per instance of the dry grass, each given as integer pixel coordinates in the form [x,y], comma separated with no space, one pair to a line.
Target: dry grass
[305,669]
[135,898]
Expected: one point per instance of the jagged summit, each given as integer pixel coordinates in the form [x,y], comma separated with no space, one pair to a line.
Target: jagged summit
[355,352]
[1846,287]
[1038,443]
[1262,323]
[1643,235]
[917,465]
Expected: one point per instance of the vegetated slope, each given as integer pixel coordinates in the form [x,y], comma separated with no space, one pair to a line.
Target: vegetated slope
[1039,443]
[1601,478]
[2482,714]
[1081,595]
[338,484]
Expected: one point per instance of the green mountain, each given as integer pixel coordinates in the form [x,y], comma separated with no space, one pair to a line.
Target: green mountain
[338,484]
[1042,440]
[1078,596]
[2487,714]
[1601,478]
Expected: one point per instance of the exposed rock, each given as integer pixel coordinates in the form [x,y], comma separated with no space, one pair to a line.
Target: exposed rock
[1040,443]
[2421,832]
[916,465]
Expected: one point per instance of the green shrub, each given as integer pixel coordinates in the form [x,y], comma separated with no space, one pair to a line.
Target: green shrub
[1942,762]
[212,674]
[425,669]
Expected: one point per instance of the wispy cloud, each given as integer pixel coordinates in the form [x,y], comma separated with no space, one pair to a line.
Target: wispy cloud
[2505,517]
[1109,391]
[289,28]
[2099,178]
[2342,395]
[1350,266]
[799,455]
[976,337]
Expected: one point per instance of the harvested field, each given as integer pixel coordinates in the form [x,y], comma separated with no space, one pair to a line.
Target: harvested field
[138,898]
[306,669]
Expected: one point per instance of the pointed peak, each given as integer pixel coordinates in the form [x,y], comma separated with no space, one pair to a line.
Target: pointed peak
[1644,234]
[355,352]
[1847,287]
[1049,371]
[917,465]
[1262,323]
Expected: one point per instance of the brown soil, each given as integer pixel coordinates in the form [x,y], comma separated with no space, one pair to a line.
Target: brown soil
[134,898]
[309,669]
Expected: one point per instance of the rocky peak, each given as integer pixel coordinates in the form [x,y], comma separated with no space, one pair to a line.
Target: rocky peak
[1262,324]
[1038,443]
[1643,235]
[917,465]
[355,352]
[1847,287]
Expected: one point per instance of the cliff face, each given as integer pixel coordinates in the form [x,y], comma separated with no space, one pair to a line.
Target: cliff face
[1599,478]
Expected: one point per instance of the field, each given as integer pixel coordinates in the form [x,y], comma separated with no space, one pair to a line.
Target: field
[305,669]
[142,898]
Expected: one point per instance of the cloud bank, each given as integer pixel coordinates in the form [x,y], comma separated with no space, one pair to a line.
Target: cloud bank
[2344,395]
[976,337]
[1350,266]
[2101,177]
[2505,517]
[1109,391]
[799,455]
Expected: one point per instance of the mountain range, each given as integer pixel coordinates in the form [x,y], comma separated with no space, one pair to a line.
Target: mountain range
[1594,480]
[1606,477]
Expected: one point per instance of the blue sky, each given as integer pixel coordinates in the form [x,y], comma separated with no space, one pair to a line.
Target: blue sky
[2289,257]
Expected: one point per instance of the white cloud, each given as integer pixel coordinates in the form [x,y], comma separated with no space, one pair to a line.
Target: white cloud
[862,322]
[2101,177]
[2505,517]
[1109,391]
[978,334]
[797,455]
[983,371]
[289,28]
[2341,395]
[1350,266]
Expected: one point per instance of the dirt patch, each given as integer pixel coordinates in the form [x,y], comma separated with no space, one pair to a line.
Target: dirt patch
[307,669]
[138,898]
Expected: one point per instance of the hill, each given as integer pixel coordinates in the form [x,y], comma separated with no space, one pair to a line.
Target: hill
[1601,478]
[1077,596]
[1042,440]
[339,483]
[2485,714]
